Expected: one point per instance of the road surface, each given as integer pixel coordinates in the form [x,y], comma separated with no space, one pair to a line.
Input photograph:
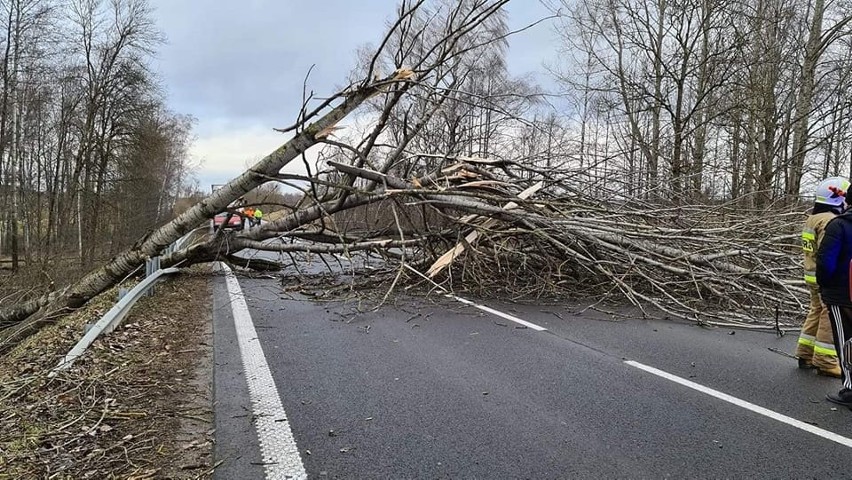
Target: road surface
[436,388]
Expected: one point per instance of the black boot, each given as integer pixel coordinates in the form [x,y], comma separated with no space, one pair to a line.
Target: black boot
[843,397]
[805,364]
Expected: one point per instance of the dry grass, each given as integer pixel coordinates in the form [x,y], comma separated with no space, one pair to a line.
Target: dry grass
[137,405]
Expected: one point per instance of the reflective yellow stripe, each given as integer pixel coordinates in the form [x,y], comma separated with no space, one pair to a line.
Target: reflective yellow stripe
[810,279]
[821,349]
[808,240]
[806,340]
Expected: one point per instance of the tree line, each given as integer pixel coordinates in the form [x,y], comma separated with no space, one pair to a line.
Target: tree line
[660,100]
[717,99]
[90,156]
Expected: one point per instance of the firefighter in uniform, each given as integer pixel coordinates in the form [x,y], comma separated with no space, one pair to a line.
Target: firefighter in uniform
[816,343]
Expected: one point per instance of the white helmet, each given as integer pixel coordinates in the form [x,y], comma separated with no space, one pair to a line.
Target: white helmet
[832,191]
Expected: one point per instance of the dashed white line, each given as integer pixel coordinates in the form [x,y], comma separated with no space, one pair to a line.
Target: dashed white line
[746,405]
[277,446]
[490,310]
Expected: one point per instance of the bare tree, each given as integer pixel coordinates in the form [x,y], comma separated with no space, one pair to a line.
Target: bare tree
[456,31]
[819,40]
[687,75]
[112,36]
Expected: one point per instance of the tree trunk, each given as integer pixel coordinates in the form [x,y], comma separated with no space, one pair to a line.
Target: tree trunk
[804,100]
[126,262]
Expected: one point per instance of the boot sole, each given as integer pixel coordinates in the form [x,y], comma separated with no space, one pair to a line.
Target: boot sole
[838,402]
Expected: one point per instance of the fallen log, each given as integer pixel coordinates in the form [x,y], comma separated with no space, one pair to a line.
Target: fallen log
[52,306]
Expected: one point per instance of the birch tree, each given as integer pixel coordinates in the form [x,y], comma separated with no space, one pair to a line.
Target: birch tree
[418,69]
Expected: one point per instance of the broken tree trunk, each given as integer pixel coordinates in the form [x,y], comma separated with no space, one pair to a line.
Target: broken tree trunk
[126,262]
[447,258]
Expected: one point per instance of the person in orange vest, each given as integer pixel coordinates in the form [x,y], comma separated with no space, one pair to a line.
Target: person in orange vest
[816,343]
[248,214]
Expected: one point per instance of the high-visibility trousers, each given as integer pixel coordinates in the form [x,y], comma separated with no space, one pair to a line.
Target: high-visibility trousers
[816,342]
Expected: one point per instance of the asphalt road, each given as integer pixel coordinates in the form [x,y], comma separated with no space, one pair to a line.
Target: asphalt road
[432,388]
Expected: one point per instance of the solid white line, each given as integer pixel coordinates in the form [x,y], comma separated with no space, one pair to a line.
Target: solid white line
[498,313]
[746,405]
[278,448]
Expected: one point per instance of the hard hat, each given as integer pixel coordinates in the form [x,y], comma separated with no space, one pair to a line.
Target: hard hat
[832,191]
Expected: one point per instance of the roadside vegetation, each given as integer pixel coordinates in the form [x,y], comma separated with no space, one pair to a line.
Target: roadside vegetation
[137,406]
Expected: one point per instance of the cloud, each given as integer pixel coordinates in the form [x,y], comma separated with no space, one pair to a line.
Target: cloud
[232,152]
[226,151]
[248,60]
[239,67]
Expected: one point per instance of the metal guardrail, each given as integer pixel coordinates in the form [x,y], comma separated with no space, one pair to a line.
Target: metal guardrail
[116,314]
[112,318]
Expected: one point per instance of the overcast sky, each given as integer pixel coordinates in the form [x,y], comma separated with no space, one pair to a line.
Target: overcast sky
[238,66]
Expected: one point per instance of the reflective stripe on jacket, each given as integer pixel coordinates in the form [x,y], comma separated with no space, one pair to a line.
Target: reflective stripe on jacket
[812,235]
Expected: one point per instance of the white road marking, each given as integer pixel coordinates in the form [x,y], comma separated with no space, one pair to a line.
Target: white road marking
[746,405]
[490,310]
[278,448]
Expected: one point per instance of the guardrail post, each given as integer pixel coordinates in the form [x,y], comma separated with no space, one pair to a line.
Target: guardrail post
[151,266]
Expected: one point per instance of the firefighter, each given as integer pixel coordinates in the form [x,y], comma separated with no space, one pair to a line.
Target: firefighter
[258,216]
[832,271]
[816,343]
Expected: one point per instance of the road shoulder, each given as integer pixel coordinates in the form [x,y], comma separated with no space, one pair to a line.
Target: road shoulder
[137,404]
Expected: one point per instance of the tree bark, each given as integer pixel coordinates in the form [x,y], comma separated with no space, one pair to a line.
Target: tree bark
[804,101]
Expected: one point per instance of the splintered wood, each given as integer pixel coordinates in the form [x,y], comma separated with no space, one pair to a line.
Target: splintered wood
[448,257]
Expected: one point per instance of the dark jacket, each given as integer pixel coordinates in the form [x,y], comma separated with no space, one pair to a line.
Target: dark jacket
[832,262]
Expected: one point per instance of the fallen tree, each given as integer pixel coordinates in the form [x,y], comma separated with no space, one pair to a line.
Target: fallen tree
[464,31]
[498,221]
[708,263]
